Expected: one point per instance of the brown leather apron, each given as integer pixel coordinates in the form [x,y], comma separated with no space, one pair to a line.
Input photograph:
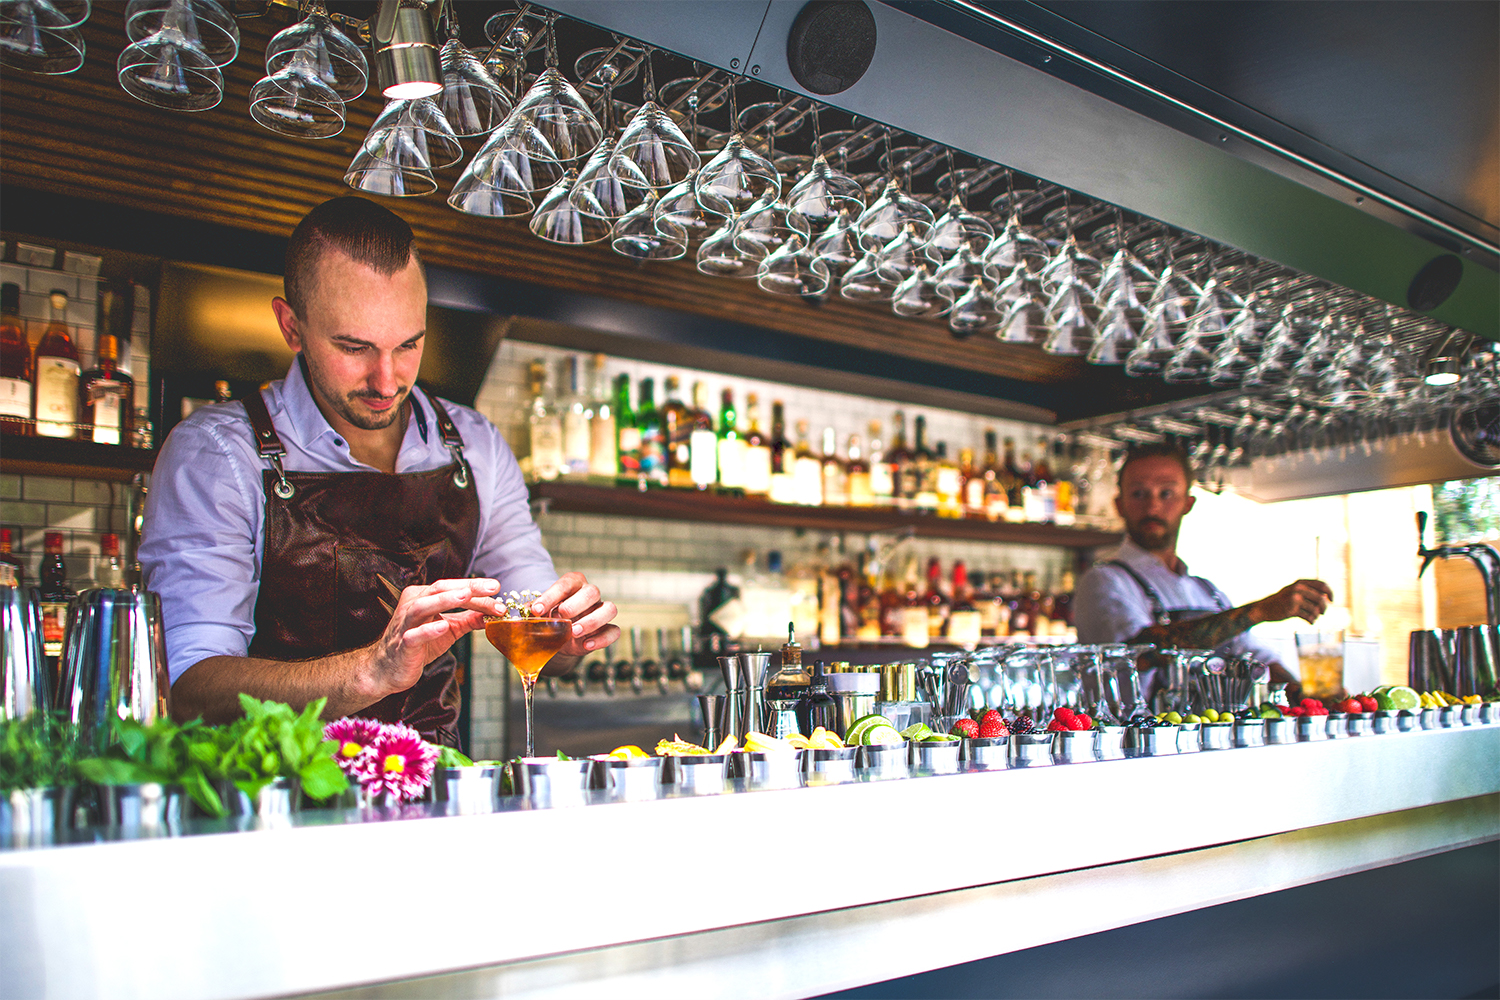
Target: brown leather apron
[339,548]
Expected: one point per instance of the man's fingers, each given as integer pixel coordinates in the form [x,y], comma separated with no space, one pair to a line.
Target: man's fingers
[598,617]
[582,603]
[430,632]
[597,640]
[565,586]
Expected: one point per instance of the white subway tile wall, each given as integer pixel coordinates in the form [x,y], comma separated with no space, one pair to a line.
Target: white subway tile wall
[82,509]
[38,283]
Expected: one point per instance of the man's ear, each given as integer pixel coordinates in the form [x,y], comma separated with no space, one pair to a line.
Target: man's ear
[1190,501]
[286,319]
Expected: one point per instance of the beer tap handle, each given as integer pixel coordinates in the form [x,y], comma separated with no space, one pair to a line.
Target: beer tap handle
[1427,555]
[551,687]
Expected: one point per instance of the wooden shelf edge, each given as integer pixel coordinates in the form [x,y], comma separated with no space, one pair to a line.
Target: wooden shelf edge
[33,456]
[686,505]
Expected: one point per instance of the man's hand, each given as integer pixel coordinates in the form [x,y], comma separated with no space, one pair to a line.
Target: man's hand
[427,621]
[1305,599]
[573,597]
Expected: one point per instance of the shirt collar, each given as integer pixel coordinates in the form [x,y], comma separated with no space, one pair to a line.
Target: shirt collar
[307,423]
[1136,556]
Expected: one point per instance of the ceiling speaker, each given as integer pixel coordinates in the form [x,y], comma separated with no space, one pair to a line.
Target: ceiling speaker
[831,45]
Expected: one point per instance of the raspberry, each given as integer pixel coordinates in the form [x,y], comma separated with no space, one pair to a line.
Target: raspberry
[966,727]
[1057,726]
[1062,713]
[1082,723]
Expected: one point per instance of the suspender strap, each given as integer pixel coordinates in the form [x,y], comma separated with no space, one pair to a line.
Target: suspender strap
[1158,608]
[268,442]
[453,440]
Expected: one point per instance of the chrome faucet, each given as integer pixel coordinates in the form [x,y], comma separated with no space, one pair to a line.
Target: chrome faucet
[1484,557]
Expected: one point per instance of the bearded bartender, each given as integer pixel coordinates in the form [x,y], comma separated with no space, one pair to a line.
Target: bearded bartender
[334,534]
[1144,593]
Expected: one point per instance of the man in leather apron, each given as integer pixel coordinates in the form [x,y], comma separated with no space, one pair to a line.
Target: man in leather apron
[375,506]
[1143,593]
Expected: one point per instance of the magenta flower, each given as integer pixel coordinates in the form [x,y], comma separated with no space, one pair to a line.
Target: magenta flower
[402,765]
[356,739]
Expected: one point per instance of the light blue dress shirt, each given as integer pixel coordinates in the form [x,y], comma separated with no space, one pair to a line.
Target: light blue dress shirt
[204,533]
[1110,606]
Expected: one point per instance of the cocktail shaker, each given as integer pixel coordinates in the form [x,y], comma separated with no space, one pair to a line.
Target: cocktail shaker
[1430,660]
[1474,666]
[24,686]
[114,663]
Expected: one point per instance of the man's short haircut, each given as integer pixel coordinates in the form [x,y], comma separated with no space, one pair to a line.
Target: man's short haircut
[369,233]
[1161,450]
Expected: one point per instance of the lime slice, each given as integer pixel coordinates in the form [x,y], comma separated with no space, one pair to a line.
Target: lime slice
[862,725]
[880,735]
[916,731]
[940,738]
[1401,698]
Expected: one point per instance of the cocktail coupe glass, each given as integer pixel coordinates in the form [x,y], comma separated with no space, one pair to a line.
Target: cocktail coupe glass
[528,642]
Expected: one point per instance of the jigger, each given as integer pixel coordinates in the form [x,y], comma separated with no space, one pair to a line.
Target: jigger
[710,705]
[752,672]
[729,714]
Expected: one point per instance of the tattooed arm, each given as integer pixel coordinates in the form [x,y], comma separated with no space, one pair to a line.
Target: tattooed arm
[1305,599]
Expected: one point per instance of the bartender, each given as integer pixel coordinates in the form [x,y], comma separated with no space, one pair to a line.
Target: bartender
[1144,593]
[334,534]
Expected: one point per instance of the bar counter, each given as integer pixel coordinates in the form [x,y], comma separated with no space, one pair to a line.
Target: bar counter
[767,893]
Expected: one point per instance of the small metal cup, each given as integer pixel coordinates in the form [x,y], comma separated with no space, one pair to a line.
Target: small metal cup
[1250,733]
[1282,730]
[767,770]
[1448,716]
[1429,719]
[828,767]
[143,809]
[695,774]
[1109,742]
[1311,728]
[552,781]
[466,790]
[1489,713]
[985,752]
[632,780]
[1361,723]
[1338,725]
[1190,737]
[1468,715]
[709,706]
[891,760]
[937,757]
[1218,735]
[1073,747]
[1030,749]
[277,800]
[1408,722]
[34,817]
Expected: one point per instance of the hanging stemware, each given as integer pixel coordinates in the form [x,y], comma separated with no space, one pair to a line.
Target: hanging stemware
[336,61]
[822,193]
[413,133]
[974,311]
[170,68]
[838,245]
[792,270]
[503,176]
[598,190]
[1026,319]
[559,220]
[765,230]
[206,21]
[372,176]
[904,254]
[863,281]
[653,152]
[640,235]
[1011,248]
[738,179]
[958,228]
[294,101]
[719,256]
[955,277]
[916,297]
[1071,333]
[472,99]
[559,113]
[679,210]
[37,36]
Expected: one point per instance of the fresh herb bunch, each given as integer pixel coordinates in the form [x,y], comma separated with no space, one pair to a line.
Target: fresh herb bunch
[164,753]
[272,741]
[449,757]
[517,604]
[36,752]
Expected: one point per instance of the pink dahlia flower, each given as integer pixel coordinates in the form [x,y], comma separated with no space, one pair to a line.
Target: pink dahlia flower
[403,763]
[356,739]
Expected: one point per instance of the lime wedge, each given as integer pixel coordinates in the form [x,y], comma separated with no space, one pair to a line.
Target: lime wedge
[863,724]
[940,738]
[1401,699]
[916,731]
[880,735]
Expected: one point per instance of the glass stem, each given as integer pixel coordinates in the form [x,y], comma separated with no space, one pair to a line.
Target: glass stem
[529,687]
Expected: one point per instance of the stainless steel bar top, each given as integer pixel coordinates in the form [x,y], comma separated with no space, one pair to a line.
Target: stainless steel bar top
[551,897]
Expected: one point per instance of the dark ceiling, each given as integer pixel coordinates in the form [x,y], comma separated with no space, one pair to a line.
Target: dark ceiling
[1408,88]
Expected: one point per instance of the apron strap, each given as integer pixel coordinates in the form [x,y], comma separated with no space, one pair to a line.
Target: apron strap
[1158,607]
[268,442]
[455,442]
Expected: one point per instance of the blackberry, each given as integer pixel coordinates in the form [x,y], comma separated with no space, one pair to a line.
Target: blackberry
[1023,724]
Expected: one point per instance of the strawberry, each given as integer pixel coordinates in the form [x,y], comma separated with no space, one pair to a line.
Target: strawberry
[1082,723]
[966,727]
[992,726]
[1351,705]
[1311,703]
[1368,703]
[1062,713]
[1293,711]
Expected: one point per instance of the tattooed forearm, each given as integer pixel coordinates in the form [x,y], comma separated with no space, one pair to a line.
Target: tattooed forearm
[1200,633]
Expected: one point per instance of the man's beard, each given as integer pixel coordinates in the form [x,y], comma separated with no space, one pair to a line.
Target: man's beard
[1153,543]
[344,405]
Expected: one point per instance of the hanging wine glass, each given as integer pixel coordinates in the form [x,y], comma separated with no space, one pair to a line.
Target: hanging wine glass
[822,194]
[958,228]
[916,297]
[413,133]
[598,190]
[974,311]
[513,164]
[766,230]
[957,276]
[205,22]
[792,270]
[558,220]
[738,179]
[888,216]
[1167,314]
[641,235]
[38,36]
[838,245]
[863,282]
[472,194]
[679,210]
[653,152]
[170,68]
[472,99]
[1026,319]
[373,176]
[1011,248]
[904,254]
[720,257]
[559,113]
[336,61]
[1071,333]
[295,102]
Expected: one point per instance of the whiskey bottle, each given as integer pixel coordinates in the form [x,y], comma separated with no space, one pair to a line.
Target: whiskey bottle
[15,364]
[106,394]
[56,405]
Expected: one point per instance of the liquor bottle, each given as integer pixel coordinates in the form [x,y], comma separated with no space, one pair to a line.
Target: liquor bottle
[995,611]
[110,571]
[807,470]
[784,686]
[653,441]
[835,472]
[546,426]
[830,602]
[996,500]
[56,405]
[105,392]
[1062,604]
[938,604]
[15,364]
[55,594]
[9,559]
[965,622]
[858,476]
[627,434]
[816,708]
[1064,490]
[882,485]
[604,453]
[892,603]
[732,447]
[1044,483]
[915,619]
[1041,622]
[899,458]
[677,431]
[867,601]
[1022,608]
[703,443]
[922,472]
[973,479]
[1010,477]
[577,416]
[758,459]
[714,607]
[782,454]
[949,480]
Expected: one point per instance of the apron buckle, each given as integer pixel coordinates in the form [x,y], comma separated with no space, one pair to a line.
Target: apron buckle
[283,488]
[460,474]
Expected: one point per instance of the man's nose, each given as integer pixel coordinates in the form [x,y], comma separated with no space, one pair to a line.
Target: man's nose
[383,376]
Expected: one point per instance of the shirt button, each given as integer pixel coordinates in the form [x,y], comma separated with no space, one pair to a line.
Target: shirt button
[339,442]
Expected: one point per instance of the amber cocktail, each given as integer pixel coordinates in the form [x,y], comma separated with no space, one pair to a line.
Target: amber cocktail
[528,643]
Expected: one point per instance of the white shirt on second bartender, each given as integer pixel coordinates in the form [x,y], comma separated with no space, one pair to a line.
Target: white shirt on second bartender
[204,531]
